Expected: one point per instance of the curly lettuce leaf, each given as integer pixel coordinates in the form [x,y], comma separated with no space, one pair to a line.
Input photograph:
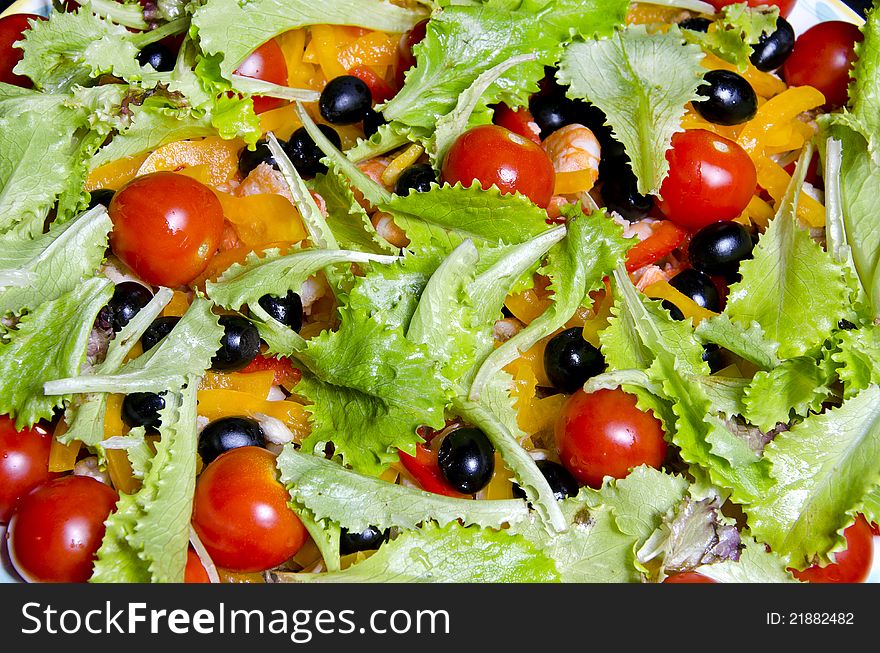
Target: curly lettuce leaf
[733,33]
[147,536]
[755,565]
[347,219]
[748,342]
[464,42]
[823,468]
[858,357]
[452,554]
[648,79]
[355,501]
[48,343]
[797,386]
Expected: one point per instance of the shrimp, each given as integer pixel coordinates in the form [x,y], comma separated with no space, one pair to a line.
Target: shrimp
[384,225]
[574,148]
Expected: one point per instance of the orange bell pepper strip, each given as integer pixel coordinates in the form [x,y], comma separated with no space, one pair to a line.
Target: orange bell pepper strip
[219,156]
[116,174]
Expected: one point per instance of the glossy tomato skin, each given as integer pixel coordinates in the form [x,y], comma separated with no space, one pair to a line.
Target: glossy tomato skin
[688,577]
[57,529]
[11,29]
[241,513]
[785,6]
[24,463]
[603,433]
[166,227]
[822,58]
[710,178]
[496,156]
[195,571]
[851,565]
[266,63]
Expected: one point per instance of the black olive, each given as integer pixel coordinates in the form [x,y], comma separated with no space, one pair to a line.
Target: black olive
[228,433]
[128,299]
[288,309]
[142,409]
[239,345]
[372,121]
[158,56]
[551,111]
[101,196]
[698,287]
[569,360]
[712,354]
[467,460]
[305,155]
[620,194]
[730,99]
[718,248]
[418,177]
[697,24]
[160,328]
[366,540]
[674,311]
[250,159]
[771,50]
[345,100]
[846,325]
[558,478]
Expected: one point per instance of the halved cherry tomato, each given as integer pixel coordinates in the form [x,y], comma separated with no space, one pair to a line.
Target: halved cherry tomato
[195,571]
[379,88]
[785,6]
[424,468]
[604,433]
[24,463]
[852,565]
[241,514]
[710,178]
[166,227]
[57,529]
[11,30]
[266,63]
[495,156]
[285,372]
[519,122]
[664,239]
[688,577]
[822,58]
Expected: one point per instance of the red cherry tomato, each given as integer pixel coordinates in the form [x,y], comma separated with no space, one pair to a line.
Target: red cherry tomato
[57,529]
[664,238]
[519,122]
[285,372]
[425,469]
[166,227]
[266,63]
[24,463]
[405,57]
[785,6]
[822,58]
[496,156]
[688,577]
[380,90]
[241,513]
[195,571]
[605,434]
[852,565]
[11,30]
[710,178]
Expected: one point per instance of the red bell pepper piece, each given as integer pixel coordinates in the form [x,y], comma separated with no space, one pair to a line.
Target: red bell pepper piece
[666,237]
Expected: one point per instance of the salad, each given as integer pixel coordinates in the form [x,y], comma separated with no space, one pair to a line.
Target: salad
[439,291]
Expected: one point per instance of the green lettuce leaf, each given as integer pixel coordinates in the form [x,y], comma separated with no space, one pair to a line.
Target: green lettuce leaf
[649,79]
[823,469]
[755,565]
[347,219]
[48,343]
[735,31]
[797,385]
[147,537]
[452,554]
[858,354]
[750,343]
[43,269]
[356,501]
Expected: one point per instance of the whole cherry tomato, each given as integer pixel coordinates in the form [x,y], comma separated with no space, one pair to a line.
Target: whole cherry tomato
[519,122]
[11,30]
[852,565]
[710,178]
[496,156]
[688,577]
[604,433]
[166,227]
[24,463]
[195,571]
[56,530]
[822,58]
[785,6]
[241,513]
[266,63]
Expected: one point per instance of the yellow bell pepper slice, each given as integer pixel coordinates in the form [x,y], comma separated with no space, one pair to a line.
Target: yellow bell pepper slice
[282,121]
[759,211]
[689,308]
[765,84]
[326,47]
[62,457]
[501,484]
[373,49]
[220,157]
[576,181]
[775,179]
[783,108]
[178,305]
[118,465]
[116,174]
[400,163]
[264,218]
[215,404]
[257,384]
